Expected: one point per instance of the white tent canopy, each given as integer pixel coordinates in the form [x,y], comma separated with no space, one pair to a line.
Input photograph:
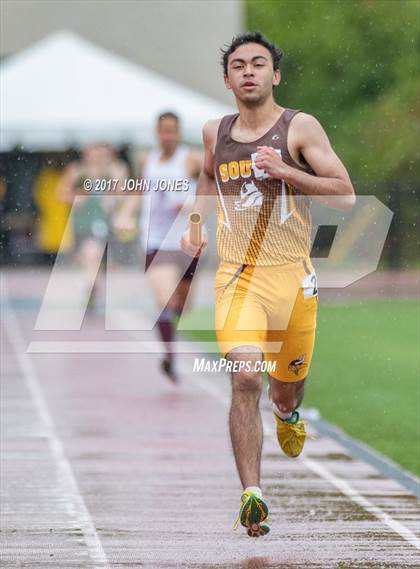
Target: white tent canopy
[66,91]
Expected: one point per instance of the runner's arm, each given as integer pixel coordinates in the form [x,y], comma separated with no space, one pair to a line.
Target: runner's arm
[205,199]
[194,163]
[331,184]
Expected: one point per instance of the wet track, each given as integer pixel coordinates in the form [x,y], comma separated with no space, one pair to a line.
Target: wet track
[107,465]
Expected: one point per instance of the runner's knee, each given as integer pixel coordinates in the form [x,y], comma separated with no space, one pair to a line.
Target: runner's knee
[246,376]
[247,380]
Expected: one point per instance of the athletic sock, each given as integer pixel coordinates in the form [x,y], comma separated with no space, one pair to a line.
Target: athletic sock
[283,416]
[255,490]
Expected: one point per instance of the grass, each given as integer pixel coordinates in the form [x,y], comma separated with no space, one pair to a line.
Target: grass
[365,373]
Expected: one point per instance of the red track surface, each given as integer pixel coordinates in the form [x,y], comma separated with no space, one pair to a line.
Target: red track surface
[107,465]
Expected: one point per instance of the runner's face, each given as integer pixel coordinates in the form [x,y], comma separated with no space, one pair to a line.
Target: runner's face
[250,73]
[168,135]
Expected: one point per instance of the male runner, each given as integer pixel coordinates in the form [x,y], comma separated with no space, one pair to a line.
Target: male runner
[263,163]
[159,211]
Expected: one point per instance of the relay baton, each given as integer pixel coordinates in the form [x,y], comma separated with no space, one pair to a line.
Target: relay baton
[195,229]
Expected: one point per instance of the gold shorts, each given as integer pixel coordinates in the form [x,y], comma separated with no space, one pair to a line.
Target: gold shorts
[271,307]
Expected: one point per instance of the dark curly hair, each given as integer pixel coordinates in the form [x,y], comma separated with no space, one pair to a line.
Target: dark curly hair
[251,37]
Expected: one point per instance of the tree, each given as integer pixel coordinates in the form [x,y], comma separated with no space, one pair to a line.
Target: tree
[354,64]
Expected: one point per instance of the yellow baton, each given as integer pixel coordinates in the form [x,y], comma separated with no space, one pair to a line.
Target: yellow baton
[195,229]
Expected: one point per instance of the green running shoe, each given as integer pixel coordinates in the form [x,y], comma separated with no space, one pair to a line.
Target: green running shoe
[253,513]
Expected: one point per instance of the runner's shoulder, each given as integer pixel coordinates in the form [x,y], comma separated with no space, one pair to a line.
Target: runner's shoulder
[304,122]
[305,130]
[210,130]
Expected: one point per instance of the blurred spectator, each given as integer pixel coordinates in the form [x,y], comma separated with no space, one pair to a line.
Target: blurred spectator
[52,211]
[91,212]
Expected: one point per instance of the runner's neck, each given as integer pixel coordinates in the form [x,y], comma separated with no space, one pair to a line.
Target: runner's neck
[258,118]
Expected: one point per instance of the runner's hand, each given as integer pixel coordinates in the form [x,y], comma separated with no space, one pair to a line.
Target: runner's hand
[271,162]
[190,249]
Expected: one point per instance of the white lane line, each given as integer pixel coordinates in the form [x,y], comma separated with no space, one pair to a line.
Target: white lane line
[75,499]
[324,473]
[312,465]
[346,489]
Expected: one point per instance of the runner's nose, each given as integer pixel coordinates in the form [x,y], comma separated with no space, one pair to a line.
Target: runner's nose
[249,71]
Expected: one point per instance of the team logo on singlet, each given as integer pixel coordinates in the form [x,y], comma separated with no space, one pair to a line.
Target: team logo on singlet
[296,365]
[250,196]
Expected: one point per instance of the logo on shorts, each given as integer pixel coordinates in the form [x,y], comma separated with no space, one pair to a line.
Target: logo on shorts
[296,365]
[250,196]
